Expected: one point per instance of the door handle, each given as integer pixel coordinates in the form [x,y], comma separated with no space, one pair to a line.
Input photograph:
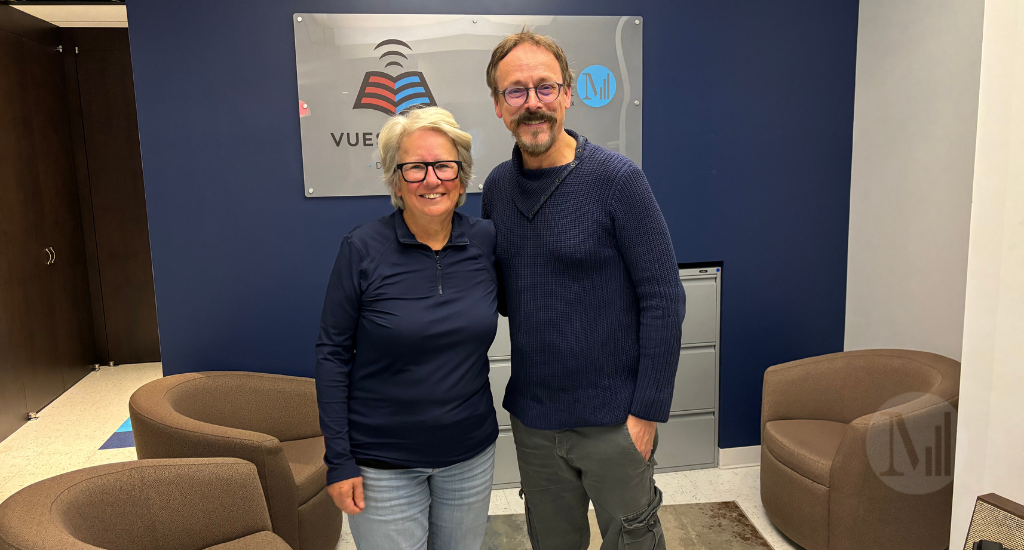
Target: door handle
[50,254]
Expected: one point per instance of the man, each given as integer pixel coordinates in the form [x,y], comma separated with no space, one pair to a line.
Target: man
[595,307]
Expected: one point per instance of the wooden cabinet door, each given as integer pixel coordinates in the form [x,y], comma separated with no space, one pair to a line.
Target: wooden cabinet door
[13,407]
[46,341]
[72,339]
[111,132]
[33,351]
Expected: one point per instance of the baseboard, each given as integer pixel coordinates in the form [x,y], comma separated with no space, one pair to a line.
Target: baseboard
[739,457]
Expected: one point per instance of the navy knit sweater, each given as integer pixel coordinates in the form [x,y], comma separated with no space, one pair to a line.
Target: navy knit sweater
[592,290]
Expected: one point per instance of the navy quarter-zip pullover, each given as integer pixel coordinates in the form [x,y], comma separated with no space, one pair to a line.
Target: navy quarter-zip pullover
[401,361]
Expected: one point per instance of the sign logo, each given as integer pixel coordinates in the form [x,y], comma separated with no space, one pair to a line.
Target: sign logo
[393,94]
[913,453]
[596,86]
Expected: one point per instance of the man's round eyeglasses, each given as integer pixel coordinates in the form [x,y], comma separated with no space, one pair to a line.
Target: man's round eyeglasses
[415,172]
[546,93]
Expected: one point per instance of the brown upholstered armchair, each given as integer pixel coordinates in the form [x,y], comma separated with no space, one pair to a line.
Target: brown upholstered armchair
[268,420]
[818,419]
[208,503]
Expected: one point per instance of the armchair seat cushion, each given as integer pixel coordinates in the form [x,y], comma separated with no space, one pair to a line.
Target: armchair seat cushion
[264,540]
[805,446]
[306,459]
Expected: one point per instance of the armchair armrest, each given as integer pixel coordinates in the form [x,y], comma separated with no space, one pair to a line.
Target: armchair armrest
[872,510]
[842,387]
[201,502]
[284,407]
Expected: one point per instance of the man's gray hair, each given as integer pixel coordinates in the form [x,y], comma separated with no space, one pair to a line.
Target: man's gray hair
[432,118]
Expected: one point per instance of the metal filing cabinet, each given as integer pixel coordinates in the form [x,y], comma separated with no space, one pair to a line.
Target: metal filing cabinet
[689,439]
[506,467]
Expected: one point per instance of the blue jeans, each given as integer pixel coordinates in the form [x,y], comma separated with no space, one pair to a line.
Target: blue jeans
[407,508]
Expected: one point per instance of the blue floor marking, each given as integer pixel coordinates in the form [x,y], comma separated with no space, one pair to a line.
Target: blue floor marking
[122,438]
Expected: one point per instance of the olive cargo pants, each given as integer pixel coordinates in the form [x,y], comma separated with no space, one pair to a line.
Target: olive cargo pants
[562,470]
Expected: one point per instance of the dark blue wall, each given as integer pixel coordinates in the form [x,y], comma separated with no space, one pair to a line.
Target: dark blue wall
[747,144]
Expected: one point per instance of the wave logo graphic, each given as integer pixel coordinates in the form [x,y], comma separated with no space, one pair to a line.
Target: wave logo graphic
[393,94]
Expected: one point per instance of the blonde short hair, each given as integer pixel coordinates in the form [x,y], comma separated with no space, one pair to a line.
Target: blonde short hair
[431,118]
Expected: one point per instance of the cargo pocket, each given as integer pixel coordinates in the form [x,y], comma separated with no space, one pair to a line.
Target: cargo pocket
[642,530]
[531,532]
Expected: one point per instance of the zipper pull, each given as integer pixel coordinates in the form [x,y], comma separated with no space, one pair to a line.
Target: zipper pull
[440,289]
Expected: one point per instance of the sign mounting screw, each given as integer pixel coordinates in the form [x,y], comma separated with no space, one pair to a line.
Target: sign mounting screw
[298,18]
[637,102]
[635,21]
[310,190]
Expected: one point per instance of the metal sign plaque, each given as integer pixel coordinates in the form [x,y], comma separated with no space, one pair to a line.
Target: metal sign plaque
[356,70]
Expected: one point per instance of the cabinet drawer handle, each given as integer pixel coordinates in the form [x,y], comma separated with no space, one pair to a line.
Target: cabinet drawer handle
[50,254]
[54,252]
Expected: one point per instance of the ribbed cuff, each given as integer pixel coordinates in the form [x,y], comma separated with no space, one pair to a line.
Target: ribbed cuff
[347,470]
[652,412]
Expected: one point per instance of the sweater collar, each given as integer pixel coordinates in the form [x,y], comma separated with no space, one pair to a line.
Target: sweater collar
[530,198]
[405,235]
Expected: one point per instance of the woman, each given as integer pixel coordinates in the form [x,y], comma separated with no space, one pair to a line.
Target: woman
[411,309]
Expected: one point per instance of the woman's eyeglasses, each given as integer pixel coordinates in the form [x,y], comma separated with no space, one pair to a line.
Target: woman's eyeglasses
[415,172]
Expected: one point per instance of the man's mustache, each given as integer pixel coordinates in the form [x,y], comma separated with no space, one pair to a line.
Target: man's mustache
[532,117]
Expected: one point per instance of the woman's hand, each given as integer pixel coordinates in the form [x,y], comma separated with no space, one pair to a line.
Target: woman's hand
[348,495]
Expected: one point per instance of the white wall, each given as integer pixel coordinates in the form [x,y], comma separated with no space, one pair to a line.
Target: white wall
[915,114]
[990,429]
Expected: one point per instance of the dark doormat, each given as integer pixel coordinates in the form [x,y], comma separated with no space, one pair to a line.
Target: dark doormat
[700,526]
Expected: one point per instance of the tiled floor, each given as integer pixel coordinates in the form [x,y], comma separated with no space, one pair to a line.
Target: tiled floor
[713,485]
[70,431]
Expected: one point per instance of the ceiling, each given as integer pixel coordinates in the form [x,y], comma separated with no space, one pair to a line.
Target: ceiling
[76,14]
